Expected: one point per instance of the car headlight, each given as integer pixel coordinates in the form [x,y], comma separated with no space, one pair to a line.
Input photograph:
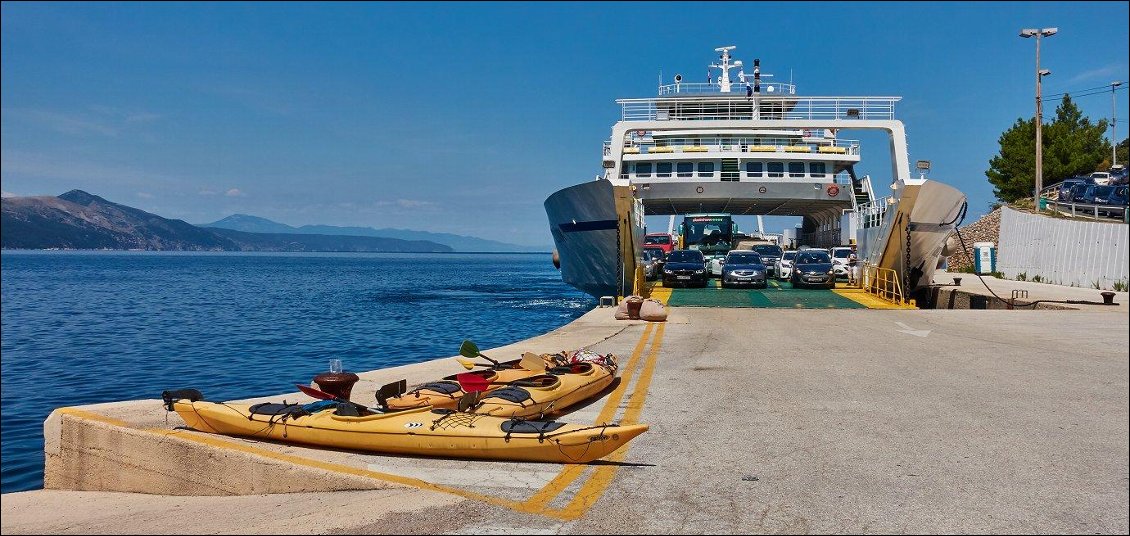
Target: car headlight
[668,272]
[830,272]
[702,271]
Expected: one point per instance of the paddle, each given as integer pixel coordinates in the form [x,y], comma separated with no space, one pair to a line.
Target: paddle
[322,395]
[530,361]
[470,349]
[468,364]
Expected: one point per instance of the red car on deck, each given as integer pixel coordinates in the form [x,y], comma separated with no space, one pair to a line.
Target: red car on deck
[663,241]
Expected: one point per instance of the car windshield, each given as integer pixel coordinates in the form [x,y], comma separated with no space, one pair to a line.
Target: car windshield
[651,253]
[766,249]
[743,258]
[685,256]
[841,253]
[813,257]
[656,239]
[789,255]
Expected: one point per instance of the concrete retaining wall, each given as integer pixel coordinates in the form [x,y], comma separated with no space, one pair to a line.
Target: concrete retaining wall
[1064,252]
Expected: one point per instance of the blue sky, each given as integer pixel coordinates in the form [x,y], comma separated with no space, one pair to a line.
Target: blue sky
[459,117]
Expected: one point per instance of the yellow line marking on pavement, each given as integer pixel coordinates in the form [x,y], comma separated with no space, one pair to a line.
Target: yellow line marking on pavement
[91,416]
[570,473]
[869,300]
[602,476]
[661,293]
[775,284]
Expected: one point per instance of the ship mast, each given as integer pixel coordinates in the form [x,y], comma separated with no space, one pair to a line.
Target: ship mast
[724,77]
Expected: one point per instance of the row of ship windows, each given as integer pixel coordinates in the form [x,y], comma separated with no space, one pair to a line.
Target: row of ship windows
[754,169]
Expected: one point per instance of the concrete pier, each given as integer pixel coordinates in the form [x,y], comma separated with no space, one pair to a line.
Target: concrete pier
[762,420]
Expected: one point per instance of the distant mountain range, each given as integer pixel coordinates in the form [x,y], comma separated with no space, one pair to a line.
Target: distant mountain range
[79,220]
[255,224]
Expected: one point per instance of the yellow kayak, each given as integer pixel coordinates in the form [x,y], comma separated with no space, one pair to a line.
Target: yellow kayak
[419,432]
[546,394]
[446,393]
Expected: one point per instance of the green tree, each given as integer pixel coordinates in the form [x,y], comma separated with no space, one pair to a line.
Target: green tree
[1123,151]
[1072,146]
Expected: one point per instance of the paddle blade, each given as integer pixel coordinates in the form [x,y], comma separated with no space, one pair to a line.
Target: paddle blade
[471,383]
[468,349]
[467,363]
[316,393]
[532,361]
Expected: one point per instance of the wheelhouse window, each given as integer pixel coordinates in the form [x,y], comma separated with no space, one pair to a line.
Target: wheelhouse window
[643,169]
[685,169]
[796,169]
[755,169]
[818,169]
[706,169]
[663,169]
[776,169]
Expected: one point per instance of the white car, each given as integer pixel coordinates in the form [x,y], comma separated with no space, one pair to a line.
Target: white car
[840,260]
[784,266]
[1101,178]
[714,265]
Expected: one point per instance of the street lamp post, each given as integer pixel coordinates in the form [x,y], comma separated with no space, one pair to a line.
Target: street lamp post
[1113,125]
[1040,74]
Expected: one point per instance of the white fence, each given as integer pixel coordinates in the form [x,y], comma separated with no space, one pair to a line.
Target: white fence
[1073,253]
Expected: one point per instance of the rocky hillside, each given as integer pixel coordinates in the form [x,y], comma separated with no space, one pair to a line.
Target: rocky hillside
[79,220]
[986,229]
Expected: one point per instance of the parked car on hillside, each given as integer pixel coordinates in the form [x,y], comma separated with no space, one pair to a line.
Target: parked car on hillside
[1101,178]
[1064,192]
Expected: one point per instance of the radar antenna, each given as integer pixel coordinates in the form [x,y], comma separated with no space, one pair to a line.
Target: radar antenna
[724,77]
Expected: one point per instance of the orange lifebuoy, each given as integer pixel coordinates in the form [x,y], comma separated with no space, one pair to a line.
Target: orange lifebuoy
[833,190]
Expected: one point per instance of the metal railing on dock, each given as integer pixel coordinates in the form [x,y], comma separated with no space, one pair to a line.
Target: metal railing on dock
[883,283]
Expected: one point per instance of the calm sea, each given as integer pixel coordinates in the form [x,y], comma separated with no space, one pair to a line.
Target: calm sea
[80,328]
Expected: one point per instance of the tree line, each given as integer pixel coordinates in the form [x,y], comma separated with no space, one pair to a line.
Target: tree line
[1072,146]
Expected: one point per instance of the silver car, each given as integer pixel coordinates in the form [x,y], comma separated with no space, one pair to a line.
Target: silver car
[743,268]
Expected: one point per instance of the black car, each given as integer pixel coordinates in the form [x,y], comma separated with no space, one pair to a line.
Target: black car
[813,268]
[743,268]
[1064,192]
[770,254]
[684,267]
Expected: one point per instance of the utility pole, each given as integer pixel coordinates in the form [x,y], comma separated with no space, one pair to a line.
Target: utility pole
[1040,74]
[1113,125]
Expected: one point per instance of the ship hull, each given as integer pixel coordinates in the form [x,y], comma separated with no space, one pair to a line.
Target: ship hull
[928,212]
[596,247]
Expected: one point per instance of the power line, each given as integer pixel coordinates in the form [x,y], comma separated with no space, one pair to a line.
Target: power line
[1103,92]
[1104,88]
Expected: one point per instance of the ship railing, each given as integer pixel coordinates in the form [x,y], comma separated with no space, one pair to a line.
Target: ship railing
[871,213]
[736,88]
[883,283]
[739,107]
[637,144]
